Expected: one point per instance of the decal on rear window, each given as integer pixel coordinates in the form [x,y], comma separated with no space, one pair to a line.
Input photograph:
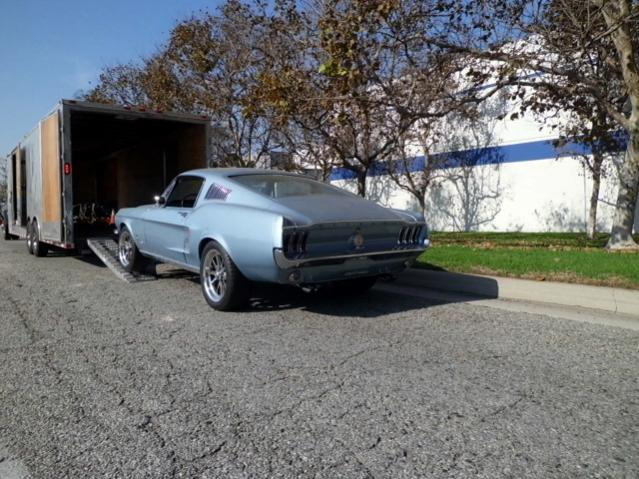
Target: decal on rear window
[217,192]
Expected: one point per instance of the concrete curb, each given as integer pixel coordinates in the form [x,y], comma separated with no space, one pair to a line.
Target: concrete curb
[615,300]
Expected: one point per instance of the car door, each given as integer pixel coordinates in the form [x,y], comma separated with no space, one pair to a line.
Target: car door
[165,229]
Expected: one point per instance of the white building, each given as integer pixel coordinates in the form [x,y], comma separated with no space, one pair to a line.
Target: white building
[530,185]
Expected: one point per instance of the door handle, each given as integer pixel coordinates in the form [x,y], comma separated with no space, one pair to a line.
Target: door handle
[183,214]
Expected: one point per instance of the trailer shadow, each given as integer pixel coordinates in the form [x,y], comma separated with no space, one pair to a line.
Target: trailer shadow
[90,259]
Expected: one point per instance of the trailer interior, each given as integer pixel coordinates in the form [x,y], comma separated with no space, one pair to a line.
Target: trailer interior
[122,160]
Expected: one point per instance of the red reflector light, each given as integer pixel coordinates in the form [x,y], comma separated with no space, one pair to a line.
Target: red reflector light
[67,168]
[127,107]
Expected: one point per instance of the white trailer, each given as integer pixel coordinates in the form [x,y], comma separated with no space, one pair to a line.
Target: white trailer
[86,160]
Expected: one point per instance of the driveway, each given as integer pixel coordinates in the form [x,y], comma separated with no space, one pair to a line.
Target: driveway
[99,378]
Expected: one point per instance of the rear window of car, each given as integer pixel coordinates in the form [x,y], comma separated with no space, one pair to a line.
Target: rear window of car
[283,186]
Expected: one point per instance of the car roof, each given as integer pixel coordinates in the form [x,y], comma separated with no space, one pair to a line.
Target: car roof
[227,172]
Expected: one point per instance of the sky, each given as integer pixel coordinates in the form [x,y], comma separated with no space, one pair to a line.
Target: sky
[51,49]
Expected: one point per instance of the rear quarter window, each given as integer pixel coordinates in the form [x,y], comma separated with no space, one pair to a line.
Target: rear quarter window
[217,192]
[284,186]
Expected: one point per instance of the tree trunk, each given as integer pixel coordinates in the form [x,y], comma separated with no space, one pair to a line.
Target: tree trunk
[621,234]
[592,213]
[421,199]
[361,183]
[594,196]
[616,14]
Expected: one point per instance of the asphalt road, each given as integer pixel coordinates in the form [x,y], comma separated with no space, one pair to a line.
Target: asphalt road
[99,378]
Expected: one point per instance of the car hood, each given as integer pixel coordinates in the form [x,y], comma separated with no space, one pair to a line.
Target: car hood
[330,208]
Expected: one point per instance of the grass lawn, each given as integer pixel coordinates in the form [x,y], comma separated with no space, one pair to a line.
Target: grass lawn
[566,257]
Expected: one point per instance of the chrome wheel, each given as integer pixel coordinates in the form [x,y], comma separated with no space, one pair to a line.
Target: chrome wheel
[126,248]
[214,275]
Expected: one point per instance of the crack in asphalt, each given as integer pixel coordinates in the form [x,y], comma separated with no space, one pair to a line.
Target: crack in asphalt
[18,309]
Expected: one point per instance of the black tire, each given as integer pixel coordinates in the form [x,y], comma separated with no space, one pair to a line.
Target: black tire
[223,285]
[129,256]
[38,248]
[356,286]
[5,229]
[30,237]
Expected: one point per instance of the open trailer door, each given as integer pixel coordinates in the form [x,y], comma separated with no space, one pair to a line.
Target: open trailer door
[51,212]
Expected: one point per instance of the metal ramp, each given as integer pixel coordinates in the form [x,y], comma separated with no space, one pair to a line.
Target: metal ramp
[107,250]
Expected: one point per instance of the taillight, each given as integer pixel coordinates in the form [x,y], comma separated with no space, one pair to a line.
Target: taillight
[67,168]
[294,243]
[409,235]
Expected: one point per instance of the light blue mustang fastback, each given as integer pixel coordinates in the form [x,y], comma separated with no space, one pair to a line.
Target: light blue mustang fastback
[234,226]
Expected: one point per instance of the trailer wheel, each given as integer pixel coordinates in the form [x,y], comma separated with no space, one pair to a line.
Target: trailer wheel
[128,254]
[224,287]
[38,248]
[29,238]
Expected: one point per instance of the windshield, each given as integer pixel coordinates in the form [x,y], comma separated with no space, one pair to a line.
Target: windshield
[283,186]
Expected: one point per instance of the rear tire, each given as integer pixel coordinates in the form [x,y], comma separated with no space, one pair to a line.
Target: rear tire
[38,248]
[5,228]
[223,285]
[129,256]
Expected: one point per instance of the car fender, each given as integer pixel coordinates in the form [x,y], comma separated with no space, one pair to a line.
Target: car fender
[248,235]
[124,218]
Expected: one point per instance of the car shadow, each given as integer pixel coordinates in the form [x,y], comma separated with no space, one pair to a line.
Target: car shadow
[372,304]
[386,297]
[445,281]
[413,290]
[408,293]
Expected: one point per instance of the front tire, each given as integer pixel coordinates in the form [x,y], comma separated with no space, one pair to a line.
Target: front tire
[223,285]
[38,248]
[7,235]
[129,256]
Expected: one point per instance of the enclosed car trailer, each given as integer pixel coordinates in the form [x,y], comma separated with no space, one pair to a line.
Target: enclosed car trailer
[84,161]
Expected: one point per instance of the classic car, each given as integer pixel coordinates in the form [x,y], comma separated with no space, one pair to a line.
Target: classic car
[234,226]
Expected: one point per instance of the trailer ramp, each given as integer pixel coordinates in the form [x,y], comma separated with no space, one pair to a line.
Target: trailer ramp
[107,250]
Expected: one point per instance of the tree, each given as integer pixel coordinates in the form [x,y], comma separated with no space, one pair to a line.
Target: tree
[561,54]
[593,140]
[219,62]
[469,192]
[152,83]
[325,95]
[416,166]
[208,66]
[121,85]
[361,79]
[454,150]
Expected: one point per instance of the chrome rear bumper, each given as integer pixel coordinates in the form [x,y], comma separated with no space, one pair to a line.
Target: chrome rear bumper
[287,263]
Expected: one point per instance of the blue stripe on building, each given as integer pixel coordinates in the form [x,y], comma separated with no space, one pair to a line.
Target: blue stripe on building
[529,151]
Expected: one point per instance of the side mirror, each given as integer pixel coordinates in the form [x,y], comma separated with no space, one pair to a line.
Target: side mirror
[159,200]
